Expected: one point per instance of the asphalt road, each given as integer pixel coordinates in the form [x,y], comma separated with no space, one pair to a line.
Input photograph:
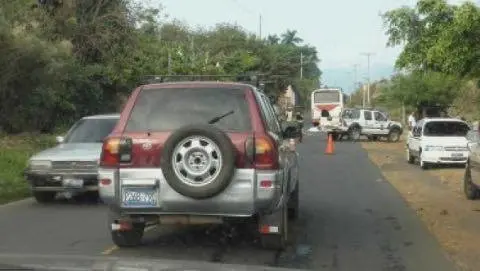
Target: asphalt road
[351,219]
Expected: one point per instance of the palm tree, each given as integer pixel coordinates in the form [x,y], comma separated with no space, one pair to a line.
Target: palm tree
[273,39]
[290,37]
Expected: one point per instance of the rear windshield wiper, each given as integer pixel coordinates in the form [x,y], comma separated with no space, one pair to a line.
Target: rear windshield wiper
[216,119]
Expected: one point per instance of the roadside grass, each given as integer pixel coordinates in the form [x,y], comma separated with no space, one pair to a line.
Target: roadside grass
[14,154]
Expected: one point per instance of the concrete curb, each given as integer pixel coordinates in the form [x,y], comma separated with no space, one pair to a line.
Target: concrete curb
[17,202]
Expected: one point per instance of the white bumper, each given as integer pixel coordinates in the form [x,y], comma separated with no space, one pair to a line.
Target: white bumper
[445,157]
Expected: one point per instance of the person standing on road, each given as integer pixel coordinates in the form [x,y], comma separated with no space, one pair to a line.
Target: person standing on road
[412,121]
[299,119]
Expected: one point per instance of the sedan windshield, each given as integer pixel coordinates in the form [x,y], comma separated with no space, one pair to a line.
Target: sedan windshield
[90,130]
[446,128]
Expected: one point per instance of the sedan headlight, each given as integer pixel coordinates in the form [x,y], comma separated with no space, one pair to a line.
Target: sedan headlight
[433,148]
[40,164]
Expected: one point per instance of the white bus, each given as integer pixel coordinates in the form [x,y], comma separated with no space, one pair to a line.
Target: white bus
[326,108]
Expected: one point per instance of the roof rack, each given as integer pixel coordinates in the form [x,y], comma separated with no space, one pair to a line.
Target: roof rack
[257,79]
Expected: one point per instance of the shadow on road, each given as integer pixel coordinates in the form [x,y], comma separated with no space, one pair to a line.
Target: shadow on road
[231,244]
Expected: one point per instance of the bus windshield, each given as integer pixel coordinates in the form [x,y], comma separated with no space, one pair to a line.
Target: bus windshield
[326,97]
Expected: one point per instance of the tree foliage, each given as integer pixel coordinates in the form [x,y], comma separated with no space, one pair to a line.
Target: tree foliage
[437,37]
[60,60]
[440,57]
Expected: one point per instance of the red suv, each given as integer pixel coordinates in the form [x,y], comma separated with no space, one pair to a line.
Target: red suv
[199,152]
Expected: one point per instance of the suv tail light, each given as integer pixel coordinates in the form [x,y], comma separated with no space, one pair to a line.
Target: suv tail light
[116,150]
[266,155]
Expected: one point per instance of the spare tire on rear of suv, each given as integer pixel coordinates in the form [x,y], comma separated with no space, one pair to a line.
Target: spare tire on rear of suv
[198,161]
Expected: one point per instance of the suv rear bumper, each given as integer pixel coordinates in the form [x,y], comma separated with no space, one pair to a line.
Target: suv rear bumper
[242,198]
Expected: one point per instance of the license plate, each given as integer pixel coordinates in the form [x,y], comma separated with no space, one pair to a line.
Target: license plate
[457,154]
[75,183]
[139,197]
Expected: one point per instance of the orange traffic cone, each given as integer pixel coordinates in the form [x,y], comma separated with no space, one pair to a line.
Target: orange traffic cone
[330,147]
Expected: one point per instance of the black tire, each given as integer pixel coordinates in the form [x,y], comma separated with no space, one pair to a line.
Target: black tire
[423,165]
[44,196]
[89,196]
[277,241]
[354,133]
[394,135]
[469,188]
[294,203]
[124,238]
[227,151]
[409,156]
[335,136]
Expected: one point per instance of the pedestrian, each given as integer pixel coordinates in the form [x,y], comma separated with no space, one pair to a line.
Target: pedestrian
[299,119]
[412,121]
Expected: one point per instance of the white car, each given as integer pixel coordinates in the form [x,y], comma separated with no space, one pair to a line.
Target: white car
[438,141]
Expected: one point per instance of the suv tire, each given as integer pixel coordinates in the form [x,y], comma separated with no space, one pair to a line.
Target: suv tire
[44,196]
[354,133]
[294,203]
[221,147]
[394,135]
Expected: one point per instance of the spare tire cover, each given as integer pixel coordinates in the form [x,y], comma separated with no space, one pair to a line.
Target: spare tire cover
[198,161]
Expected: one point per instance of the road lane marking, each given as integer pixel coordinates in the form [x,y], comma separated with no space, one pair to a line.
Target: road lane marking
[113,248]
[109,250]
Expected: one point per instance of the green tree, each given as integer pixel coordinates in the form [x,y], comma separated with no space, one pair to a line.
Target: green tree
[290,38]
[436,37]
[66,59]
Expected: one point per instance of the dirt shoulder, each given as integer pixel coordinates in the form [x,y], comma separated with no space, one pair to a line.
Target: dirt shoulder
[437,197]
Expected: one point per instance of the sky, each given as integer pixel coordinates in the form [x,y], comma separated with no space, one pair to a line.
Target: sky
[340,30]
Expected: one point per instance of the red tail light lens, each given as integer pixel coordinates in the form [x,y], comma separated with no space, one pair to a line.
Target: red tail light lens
[110,152]
[116,151]
[266,155]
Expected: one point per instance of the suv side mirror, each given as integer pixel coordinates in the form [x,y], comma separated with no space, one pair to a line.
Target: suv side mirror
[291,131]
[59,139]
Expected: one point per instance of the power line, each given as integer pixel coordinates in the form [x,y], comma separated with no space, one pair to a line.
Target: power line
[251,12]
[245,9]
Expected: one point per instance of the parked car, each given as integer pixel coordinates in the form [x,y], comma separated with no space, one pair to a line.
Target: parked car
[471,177]
[72,165]
[199,152]
[438,141]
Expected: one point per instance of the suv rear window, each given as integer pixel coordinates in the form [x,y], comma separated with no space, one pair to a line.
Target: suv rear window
[446,128]
[167,109]
[351,114]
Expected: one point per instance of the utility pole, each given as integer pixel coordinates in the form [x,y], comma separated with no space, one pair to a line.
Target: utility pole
[301,65]
[363,96]
[169,63]
[260,26]
[355,70]
[368,75]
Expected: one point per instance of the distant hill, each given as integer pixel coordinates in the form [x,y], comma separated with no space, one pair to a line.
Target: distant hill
[343,77]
